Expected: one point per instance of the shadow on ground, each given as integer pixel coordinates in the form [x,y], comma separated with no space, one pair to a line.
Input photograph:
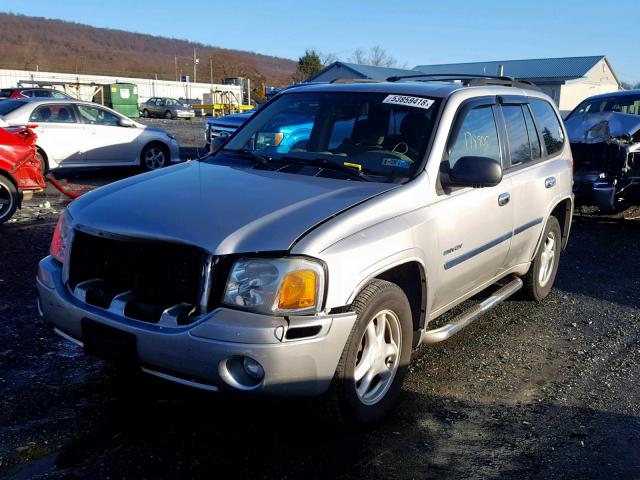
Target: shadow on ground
[148,431]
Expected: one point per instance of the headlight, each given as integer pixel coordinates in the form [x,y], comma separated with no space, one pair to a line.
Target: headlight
[268,139]
[276,286]
[61,237]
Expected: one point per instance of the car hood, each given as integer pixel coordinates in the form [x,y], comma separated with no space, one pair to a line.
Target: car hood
[600,126]
[221,209]
[233,120]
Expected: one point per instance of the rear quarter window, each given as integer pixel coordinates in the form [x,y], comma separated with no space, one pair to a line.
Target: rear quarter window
[548,125]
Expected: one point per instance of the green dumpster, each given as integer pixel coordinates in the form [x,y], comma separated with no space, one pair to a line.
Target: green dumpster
[122,97]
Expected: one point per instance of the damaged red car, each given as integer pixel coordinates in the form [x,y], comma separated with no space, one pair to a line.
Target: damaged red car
[20,169]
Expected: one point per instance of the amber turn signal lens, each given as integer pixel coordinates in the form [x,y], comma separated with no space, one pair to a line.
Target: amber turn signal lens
[298,290]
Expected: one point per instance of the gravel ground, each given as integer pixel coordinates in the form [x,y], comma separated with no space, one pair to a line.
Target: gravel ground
[531,390]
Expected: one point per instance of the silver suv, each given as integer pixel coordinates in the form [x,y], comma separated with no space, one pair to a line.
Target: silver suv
[321,242]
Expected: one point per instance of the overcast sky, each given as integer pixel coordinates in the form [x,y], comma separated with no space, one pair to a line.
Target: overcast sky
[413,31]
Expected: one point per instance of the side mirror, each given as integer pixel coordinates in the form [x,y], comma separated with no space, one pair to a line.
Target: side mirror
[476,172]
[218,142]
[125,122]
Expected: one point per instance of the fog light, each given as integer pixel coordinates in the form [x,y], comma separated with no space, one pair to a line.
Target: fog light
[253,368]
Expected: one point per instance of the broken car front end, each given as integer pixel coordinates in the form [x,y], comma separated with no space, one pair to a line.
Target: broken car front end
[606,153]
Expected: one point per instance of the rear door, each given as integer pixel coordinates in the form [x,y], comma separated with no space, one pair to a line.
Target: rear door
[474,225]
[108,143]
[535,141]
[60,134]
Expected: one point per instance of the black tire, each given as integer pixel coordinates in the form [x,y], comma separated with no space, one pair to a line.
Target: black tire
[9,199]
[168,115]
[145,113]
[343,404]
[538,284]
[152,150]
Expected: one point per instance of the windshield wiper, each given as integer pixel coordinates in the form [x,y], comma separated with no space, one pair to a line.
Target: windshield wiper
[326,164]
[255,158]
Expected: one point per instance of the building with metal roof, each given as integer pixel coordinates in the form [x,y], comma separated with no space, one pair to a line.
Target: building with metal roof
[343,70]
[568,80]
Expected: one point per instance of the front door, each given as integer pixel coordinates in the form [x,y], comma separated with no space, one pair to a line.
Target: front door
[474,225]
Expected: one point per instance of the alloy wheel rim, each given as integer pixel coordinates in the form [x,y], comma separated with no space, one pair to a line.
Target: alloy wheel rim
[378,357]
[547,259]
[154,158]
[6,201]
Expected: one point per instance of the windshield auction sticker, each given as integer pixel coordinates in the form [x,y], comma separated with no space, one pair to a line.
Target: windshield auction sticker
[418,102]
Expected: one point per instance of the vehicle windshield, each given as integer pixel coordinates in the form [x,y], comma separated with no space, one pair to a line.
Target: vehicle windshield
[380,136]
[618,103]
[9,106]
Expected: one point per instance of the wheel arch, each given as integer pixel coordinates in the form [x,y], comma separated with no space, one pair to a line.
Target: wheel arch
[563,211]
[45,157]
[411,277]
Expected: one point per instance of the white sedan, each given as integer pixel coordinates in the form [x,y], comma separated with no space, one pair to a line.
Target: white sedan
[73,133]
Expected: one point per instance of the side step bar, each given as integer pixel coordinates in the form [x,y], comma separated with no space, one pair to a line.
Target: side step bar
[465,318]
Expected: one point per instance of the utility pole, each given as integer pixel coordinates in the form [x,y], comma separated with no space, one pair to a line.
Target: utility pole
[175,61]
[211,69]
[195,66]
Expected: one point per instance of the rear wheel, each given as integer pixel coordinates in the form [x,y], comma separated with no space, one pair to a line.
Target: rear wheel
[145,113]
[153,157]
[367,382]
[9,199]
[542,273]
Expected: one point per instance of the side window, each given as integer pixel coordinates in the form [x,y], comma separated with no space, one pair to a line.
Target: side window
[160,102]
[549,125]
[53,114]
[517,134]
[28,93]
[98,116]
[536,148]
[476,135]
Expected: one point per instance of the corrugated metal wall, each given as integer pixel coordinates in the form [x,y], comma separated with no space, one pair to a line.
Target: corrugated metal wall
[147,88]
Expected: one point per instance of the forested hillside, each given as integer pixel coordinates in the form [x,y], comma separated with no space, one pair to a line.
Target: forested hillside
[59,46]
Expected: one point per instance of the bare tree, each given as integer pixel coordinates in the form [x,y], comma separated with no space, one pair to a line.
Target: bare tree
[359,56]
[328,58]
[376,56]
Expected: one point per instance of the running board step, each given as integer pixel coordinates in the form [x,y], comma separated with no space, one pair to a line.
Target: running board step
[466,318]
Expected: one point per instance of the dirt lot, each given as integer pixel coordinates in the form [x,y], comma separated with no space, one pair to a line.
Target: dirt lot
[547,390]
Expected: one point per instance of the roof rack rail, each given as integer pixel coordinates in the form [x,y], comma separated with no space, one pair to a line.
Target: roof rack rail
[355,80]
[467,80]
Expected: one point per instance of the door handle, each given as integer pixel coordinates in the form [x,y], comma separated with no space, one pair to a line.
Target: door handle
[550,182]
[503,199]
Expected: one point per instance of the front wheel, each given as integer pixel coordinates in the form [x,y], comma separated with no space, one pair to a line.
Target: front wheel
[168,115]
[542,273]
[9,199]
[153,157]
[367,382]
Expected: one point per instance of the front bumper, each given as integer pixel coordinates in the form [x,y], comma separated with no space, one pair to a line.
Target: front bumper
[204,353]
[185,114]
